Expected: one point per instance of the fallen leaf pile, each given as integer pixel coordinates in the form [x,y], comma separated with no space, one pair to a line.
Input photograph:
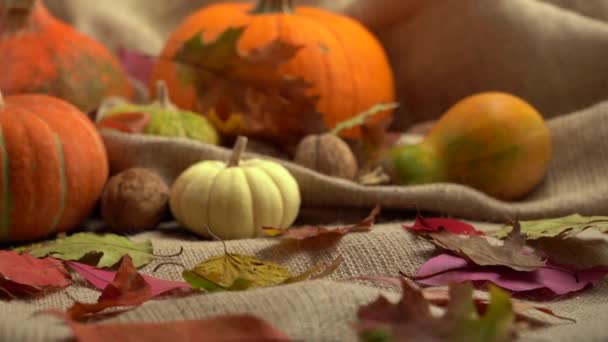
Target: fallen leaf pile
[510,263]
[446,268]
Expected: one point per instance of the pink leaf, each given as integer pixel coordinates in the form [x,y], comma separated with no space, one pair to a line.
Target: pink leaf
[559,279]
[101,278]
[137,65]
[437,224]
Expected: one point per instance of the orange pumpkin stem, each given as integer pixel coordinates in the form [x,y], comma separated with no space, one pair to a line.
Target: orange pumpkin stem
[273,6]
[237,151]
[16,13]
[1,100]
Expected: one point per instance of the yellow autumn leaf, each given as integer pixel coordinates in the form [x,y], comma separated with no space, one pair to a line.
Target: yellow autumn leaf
[238,272]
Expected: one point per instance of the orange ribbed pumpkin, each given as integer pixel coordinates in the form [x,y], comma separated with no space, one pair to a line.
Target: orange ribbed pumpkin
[40,54]
[345,63]
[53,166]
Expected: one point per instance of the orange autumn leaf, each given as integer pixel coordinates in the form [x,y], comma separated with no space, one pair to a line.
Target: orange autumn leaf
[129,288]
[223,328]
[249,87]
[311,232]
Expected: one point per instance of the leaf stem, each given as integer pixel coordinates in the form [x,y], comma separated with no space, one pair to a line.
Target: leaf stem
[181,250]
[168,263]
[237,151]
[362,117]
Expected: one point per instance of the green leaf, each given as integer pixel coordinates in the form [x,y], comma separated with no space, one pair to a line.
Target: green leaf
[110,248]
[561,227]
[235,272]
[362,117]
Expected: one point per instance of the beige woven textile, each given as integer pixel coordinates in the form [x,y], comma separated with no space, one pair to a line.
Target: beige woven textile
[553,53]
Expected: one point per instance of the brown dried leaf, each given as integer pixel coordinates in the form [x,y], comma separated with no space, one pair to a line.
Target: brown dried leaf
[311,232]
[411,318]
[250,87]
[487,251]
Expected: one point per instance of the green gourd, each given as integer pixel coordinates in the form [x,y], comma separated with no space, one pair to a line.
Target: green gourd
[166,119]
[494,142]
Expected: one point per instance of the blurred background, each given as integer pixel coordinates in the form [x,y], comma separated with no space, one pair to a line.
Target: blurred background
[553,53]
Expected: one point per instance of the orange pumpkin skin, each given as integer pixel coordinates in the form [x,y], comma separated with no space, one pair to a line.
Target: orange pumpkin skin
[40,54]
[53,166]
[345,63]
[494,142]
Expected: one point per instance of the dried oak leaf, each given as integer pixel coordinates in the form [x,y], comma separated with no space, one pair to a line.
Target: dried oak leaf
[129,288]
[107,249]
[234,272]
[310,232]
[24,274]
[487,251]
[411,318]
[560,227]
[246,93]
[243,327]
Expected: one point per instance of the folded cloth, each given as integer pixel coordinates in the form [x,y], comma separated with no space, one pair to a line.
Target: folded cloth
[576,181]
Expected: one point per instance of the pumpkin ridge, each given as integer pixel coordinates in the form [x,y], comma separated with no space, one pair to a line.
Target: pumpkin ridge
[350,66]
[7,200]
[208,208]
[251,197]
[276,184]
[63,185]
[47,163]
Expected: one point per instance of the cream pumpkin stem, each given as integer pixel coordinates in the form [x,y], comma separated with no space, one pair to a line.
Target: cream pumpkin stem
[237,151]
[162,95]
[273,6]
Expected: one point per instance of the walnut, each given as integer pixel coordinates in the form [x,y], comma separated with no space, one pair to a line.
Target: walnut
[328,154]
[134,200]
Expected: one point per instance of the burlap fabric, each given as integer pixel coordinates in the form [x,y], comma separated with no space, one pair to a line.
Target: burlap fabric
[320,310]
[553,53]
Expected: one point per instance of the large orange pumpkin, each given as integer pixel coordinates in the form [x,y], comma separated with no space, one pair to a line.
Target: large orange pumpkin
[40,54]
[53,166]
[345,63]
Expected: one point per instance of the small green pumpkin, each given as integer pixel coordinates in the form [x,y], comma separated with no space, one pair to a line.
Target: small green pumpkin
[235,200]
[165,118]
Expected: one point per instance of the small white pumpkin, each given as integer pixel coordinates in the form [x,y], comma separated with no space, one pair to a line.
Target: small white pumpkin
[235,200]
